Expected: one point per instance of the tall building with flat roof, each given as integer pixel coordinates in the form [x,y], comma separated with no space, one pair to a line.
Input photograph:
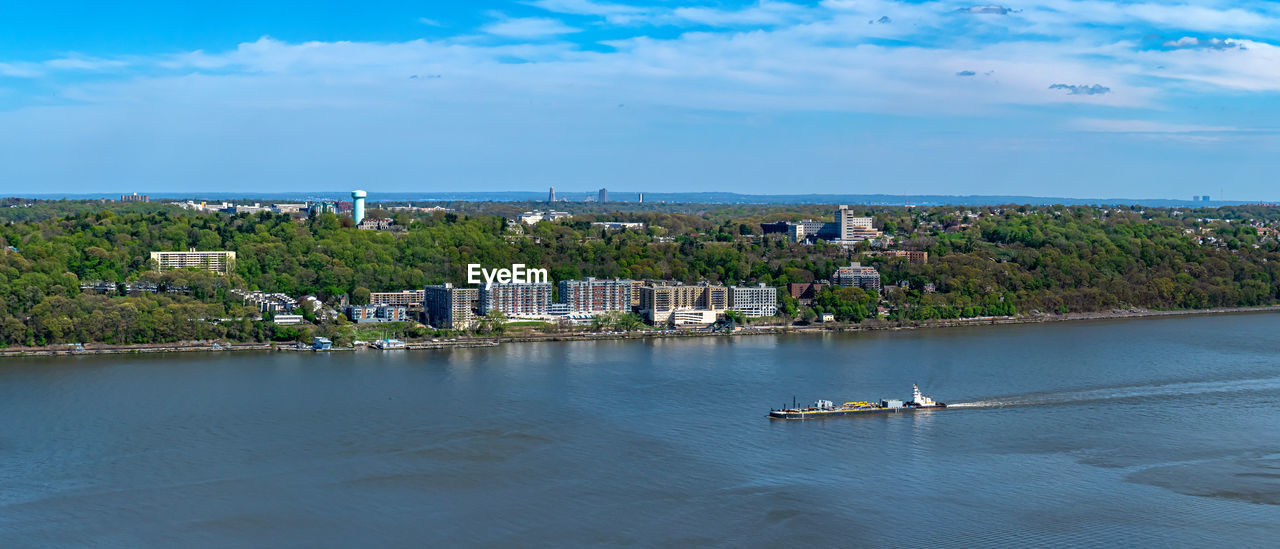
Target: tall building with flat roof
[523,299]
[215,261]
[603,196]
[592,295]
[135,197]
[867,278]
[449,307]
[551,195]
[754,301]
[658,301]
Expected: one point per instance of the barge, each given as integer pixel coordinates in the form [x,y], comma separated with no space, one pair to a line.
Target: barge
[825,408]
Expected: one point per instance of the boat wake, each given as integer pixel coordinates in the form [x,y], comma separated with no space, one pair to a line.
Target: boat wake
[1168,390]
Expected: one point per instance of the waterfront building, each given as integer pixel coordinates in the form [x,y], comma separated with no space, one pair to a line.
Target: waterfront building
[693,318]
[407,298]
[867,278]
[603,196]
[523,299]
[754,301]
[658,301]
[363,314]
[321,343]
[592,295]
[357,208]
[449,307]
[551,195]
[135,197]
[213,261]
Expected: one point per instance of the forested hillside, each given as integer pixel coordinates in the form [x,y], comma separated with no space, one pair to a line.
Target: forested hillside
[986,261]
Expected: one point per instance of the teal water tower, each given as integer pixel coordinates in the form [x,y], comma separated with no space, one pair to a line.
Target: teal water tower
[357,205]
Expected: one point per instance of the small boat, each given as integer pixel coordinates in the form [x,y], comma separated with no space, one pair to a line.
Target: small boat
[388,344]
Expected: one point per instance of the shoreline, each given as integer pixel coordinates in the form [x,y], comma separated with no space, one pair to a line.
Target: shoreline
[478,342]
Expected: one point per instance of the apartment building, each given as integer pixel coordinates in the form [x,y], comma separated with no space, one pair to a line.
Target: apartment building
[754,301]
[449,307]
[658,301]
[593,295]
[526,299]
[867,278]
[407,298]
[215,261]
[363,314]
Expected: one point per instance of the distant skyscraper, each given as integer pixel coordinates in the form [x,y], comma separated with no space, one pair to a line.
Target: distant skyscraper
[357,205]
[551,196]
[640,196]
[604,195]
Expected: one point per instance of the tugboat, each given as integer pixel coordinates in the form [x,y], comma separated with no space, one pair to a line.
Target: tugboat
[824,408]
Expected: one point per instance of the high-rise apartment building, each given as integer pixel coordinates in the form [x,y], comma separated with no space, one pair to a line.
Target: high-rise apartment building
[551,195]
[449,307]
[214,261]
[526,299]
[603,196]
[592,295]
[657,302]
[867,278]
[754,301]
[135,197]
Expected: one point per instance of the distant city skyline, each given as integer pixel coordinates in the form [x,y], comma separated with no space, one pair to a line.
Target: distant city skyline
[1070,98]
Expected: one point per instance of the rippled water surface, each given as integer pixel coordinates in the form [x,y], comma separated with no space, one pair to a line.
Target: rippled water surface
[1140,432]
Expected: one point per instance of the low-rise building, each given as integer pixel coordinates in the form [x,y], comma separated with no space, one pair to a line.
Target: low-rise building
[267,302]
[804,292]
[449,307]
[754,301]
[407,298]
[376,224]
[135,197]
[912,256]
[529,218]
[362,314]
[617,225]
[867,278]
[287,320]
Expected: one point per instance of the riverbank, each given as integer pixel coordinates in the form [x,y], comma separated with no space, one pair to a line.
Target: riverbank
[473,342]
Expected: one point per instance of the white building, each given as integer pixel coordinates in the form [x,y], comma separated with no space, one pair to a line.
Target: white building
[215,261]
[754,301]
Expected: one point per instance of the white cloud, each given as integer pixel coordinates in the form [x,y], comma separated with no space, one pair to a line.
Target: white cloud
[1144,126]
[528,27]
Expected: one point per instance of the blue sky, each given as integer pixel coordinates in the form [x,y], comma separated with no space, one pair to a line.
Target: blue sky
[1077,98]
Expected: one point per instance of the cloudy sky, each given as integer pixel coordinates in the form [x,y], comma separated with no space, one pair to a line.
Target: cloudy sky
[1077,98]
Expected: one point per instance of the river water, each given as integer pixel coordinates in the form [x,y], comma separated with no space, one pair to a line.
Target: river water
[1143,432]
